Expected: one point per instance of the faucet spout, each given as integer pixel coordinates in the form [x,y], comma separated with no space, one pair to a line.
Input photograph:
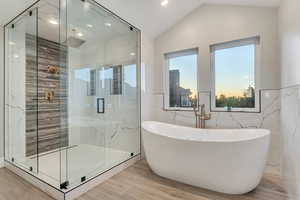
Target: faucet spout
[202,117]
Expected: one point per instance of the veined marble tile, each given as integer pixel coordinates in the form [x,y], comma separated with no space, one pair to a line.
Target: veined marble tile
[290,128]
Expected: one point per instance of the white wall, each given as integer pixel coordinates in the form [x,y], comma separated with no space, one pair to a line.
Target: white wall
[289,28]
[147,76]
[1,93]
[290,42]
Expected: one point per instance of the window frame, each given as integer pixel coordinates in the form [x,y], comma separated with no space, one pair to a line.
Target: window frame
[166,78]
[231,44]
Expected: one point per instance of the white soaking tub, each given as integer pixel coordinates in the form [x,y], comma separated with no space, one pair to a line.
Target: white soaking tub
[228,161]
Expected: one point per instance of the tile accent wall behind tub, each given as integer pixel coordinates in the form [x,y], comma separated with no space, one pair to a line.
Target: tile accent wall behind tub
[269,118]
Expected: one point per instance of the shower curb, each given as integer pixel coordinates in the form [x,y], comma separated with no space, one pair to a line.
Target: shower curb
[29,177]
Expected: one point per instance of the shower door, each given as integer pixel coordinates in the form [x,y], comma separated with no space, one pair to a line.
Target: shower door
[21,113]
[103,92]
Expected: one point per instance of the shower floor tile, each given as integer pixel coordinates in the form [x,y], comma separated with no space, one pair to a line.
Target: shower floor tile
[75,162]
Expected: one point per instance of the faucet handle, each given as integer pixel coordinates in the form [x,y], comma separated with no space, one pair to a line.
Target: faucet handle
[208,116]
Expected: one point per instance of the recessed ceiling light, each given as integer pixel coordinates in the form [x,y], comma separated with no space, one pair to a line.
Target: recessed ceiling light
[52,21]
[132,54]
[89,25]
[164,2]
[86,6]
[11,43]
[107,24]
[79,34]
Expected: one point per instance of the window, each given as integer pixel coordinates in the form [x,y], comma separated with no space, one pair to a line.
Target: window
[181,79]
[234,67]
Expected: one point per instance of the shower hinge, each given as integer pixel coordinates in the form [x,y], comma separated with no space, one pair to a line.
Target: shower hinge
[64,185]
[30,13]
[131,28]
[132,154]
[31,169]
[12,26]
[83,179]
[12,160]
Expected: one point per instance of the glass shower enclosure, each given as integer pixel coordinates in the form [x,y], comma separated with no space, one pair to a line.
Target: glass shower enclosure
[72,91]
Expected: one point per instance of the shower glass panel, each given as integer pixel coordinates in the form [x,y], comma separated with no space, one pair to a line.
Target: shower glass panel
[21,86]
[52,90]
[103,91]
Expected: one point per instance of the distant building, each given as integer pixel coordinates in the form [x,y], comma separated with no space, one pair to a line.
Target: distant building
[179,97]
[174,77]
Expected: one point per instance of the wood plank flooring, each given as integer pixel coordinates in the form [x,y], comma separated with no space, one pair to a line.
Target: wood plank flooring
[139,183]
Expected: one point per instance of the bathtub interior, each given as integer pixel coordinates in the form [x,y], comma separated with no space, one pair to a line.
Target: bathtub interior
[208,135]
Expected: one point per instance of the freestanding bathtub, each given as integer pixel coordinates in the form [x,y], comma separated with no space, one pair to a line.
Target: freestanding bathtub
[228,161]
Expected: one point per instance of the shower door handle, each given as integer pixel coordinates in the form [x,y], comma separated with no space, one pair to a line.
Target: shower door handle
[100,105]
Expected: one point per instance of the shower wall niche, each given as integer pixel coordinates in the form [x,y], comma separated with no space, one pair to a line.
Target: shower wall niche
[72,92]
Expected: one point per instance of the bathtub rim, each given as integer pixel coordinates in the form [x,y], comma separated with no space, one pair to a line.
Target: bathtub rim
[265,133]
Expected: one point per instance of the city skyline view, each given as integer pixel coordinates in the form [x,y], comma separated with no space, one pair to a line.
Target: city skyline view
[234,77]
[229,64]
[187,67]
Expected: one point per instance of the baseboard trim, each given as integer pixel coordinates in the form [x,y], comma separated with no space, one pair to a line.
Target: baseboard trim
[1,162]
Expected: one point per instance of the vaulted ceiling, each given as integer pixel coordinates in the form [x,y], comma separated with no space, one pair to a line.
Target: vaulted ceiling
[148,15]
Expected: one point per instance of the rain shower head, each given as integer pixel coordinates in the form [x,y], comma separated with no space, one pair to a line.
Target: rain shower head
[74,42]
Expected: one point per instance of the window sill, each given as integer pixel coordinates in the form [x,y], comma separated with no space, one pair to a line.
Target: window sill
[254,110]
[179,109]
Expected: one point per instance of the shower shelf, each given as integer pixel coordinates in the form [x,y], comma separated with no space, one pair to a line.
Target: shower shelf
[49,95]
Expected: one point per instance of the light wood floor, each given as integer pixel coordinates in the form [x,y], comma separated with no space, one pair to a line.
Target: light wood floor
[139,183]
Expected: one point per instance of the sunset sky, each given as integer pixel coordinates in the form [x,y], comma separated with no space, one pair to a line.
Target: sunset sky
[234,70]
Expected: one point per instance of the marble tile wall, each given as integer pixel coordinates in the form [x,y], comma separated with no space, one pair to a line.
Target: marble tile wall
[268,118]
[290,128]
